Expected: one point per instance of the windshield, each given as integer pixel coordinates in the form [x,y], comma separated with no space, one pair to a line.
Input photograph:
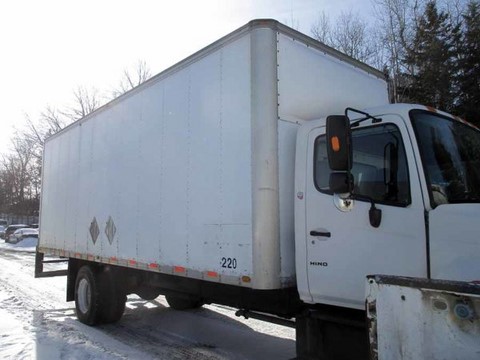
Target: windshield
[450,152]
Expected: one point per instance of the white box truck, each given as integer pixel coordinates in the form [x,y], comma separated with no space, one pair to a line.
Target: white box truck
[210,183]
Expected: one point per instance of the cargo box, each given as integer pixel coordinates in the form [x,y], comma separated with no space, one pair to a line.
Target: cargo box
[192,172]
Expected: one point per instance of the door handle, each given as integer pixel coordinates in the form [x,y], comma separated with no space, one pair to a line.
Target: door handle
[320,233]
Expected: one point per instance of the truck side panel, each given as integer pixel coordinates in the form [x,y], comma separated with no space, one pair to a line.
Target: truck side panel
[287,132]
[192,172]
[313,84]
[167,171]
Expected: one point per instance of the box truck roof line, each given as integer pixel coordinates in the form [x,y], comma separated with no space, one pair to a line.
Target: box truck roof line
[234,35]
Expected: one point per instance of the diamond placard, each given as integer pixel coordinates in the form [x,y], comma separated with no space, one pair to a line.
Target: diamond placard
[94,230]
[110,230]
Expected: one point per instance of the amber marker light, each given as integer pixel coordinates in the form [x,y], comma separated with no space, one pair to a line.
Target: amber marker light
[179,269]
[335,142]
[212,274]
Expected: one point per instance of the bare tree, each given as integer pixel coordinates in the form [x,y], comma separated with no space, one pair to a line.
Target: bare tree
[85,101]
[17,188]
[20,169]
[132,78]
[292,21]
[321,29]
[52,121]
[49,122]
[349,34]
[23,166]
[352,36]
[397,21]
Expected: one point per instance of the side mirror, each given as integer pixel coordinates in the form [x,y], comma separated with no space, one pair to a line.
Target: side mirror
[341,182]
[339,143]
[340,153]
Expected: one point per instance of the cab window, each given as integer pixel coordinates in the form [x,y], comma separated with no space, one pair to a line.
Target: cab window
[379,165]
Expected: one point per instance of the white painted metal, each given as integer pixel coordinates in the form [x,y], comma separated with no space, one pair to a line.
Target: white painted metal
[408,323]
[171,164]
[287,132]
[454,242]
[265,191]
[337,265]
[452,229]
[197,164]
[313,84]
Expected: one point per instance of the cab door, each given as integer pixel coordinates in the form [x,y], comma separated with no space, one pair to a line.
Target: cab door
[343,247]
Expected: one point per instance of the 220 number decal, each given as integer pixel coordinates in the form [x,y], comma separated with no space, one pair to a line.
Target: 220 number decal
[229,263]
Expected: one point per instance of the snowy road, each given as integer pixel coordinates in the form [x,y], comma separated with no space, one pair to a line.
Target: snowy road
[37,323]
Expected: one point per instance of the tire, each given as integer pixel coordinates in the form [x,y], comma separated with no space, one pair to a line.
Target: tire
[183,303]
[87,296]
[113,298]
[97,298]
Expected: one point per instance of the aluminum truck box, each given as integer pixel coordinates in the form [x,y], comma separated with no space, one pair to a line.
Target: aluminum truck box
[192,173]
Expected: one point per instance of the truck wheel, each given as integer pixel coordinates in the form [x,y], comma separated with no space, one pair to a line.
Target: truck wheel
[112,296]
[183,303]
[87,296]
[97,298]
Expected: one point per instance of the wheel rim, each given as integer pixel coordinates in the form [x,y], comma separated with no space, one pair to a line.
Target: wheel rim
[83,296]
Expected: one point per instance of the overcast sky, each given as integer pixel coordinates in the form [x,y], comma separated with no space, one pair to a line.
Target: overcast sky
[50,47]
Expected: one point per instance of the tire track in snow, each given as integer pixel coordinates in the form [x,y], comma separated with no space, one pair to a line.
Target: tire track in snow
[48,321]
[149,331]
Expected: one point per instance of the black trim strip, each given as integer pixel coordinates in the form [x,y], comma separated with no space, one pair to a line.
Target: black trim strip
[427,243]
[418,283]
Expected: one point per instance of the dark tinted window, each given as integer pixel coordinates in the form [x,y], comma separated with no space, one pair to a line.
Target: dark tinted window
[379,165]
[450,152]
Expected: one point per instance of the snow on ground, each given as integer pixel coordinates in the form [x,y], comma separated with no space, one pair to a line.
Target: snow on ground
[28,245]
[37,323]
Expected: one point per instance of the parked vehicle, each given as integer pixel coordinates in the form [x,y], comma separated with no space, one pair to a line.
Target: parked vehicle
[23,233]
[3,222]
[2,231]
[262,196]
[11,229]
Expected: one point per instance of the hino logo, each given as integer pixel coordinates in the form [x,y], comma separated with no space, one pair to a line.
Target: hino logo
[318,263]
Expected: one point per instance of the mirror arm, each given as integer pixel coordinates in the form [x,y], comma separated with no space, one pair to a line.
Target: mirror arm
[367,117]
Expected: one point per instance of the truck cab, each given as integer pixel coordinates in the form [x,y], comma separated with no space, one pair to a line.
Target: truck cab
[411,210]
